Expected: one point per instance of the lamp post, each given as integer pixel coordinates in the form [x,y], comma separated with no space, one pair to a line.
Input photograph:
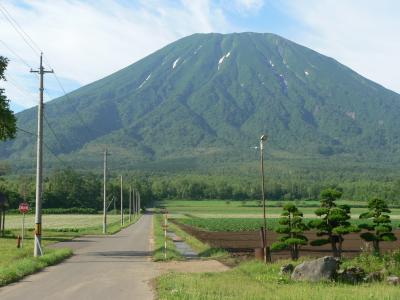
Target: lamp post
[263,139]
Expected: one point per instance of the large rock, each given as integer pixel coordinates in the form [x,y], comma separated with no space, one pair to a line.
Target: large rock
[316,270]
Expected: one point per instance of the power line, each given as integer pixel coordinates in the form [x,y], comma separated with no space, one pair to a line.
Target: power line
[44,115]
[53,132]
[76,111]
[23,91]
[31,43]
[36,49]
[15,54]
[27,39]
[47,146]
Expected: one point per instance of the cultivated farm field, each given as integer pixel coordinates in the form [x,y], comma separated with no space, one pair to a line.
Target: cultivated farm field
[243,224]
[60,221]
[251,209]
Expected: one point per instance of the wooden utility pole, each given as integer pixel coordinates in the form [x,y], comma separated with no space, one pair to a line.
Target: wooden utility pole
[105,192]
[139,203]
[134,201]
[122,203]
[37,249]
[130,204]
[266,248]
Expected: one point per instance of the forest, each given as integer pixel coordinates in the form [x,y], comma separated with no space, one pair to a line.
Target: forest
[66,188]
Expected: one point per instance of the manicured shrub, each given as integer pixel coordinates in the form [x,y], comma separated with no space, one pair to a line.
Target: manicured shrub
[380,230]
[334,222]
[292,226]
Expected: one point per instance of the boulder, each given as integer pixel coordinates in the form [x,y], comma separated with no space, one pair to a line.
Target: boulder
[316,270]
[286,269]
[351,275]
[393,280]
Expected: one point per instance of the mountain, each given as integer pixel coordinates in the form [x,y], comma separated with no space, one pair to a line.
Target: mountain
[207,98]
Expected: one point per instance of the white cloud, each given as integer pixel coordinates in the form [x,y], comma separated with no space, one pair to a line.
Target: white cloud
[361,34]
[85,41]
[249,5]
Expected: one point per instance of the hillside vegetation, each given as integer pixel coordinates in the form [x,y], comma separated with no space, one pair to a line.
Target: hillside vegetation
[204,100]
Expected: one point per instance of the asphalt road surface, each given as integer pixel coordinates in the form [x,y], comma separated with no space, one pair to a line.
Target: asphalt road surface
[112,267]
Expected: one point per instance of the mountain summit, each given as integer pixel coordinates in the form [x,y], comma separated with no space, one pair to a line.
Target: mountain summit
[207,95]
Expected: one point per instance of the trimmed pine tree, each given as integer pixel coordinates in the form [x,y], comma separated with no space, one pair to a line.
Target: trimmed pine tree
[292,227]
[380,230]
[333,223]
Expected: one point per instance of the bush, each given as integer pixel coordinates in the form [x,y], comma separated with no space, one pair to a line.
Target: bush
[60,211]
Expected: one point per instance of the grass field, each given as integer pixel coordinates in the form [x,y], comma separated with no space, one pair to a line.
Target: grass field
[61,221]
[255,280]
[249,209]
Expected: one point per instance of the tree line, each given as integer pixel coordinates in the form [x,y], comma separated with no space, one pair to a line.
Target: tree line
[67,188]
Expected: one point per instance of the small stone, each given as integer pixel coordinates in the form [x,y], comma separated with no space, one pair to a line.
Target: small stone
[374,276]
[395,280]
[316,270]
[351,275]
[286,269]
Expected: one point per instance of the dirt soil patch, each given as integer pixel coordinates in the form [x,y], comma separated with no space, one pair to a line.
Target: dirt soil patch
[247,241]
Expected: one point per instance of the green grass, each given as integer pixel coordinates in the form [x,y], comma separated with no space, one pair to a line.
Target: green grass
[221,208]
[158,233]
[254,280]
[242,224]
[64,222]
[29,265]
[203,249]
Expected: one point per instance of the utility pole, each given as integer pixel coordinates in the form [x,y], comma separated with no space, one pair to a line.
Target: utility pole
[122,204]
[105,193]
[37,249]
[138,203]
[130,204]
[134,200]
[266,248]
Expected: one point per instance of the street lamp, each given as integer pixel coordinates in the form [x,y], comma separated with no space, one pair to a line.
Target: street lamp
[263,139]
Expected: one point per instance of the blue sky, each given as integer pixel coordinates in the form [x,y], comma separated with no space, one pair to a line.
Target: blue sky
[86,40]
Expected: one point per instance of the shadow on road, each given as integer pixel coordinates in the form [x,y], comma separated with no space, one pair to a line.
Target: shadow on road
[122,253]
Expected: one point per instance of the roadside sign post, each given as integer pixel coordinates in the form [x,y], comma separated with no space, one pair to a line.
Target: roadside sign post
[23,209]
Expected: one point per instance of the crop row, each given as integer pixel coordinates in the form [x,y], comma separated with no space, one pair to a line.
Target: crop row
[239,224]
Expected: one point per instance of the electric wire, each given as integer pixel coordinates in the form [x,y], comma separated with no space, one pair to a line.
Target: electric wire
[36,49]
[76,111]
[44,114]
[32,44]
[19,30]
[15,54]
[45,144]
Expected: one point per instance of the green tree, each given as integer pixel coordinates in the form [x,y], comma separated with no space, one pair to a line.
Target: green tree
[333,223]
[292,226]
[7,118]
[380,230]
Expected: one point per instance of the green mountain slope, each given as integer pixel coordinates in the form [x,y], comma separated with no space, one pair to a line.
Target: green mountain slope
[208,98]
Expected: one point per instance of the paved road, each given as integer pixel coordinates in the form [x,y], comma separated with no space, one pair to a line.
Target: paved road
[113,267]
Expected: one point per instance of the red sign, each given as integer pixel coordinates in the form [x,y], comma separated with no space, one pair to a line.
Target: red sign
[23,208]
